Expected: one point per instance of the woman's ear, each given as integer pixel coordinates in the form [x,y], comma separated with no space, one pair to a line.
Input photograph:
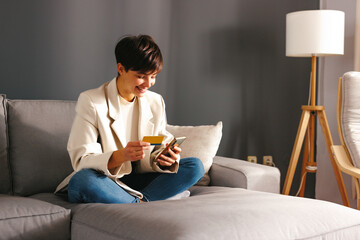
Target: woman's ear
[120,68]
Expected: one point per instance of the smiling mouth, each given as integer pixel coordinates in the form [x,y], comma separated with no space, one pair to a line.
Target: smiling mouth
[142,90]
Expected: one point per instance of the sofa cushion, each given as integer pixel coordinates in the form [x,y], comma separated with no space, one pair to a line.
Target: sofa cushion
[218,213]
[5,177]
[26,218]
[201,142]
[38,134]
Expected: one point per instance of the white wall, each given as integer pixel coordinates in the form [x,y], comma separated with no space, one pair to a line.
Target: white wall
[330,69]
[357,38]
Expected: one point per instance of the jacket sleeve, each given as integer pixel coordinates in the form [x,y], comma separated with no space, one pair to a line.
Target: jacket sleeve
[84,149]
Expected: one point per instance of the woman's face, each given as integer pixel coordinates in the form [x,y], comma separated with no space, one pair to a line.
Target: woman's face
[134,83]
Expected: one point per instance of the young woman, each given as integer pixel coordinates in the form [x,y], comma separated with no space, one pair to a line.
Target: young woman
[111,163]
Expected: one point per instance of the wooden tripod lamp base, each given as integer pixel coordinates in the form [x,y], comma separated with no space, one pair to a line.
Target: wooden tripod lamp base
[308,116]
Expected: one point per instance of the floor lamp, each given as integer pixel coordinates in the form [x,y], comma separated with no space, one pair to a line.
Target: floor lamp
[313,33]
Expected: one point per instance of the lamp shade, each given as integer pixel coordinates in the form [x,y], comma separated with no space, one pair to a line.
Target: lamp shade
[315,33]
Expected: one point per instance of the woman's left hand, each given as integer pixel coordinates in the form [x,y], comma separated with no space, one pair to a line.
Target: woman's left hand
[167,161]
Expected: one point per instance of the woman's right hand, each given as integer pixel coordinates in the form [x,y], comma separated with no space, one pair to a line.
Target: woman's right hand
[133,151]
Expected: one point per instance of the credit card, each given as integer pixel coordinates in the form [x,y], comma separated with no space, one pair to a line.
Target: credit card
[153,140]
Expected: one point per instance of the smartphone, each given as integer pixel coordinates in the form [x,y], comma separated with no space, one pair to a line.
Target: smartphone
[175,142]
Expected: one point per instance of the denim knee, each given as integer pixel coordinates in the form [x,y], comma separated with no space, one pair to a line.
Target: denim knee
[82,176]
[79,182]
[193,165]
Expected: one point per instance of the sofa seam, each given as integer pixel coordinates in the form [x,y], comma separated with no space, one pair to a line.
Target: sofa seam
[101,230]
[333,231]
[11,169]
[6,114]
[42,100]
[30,216]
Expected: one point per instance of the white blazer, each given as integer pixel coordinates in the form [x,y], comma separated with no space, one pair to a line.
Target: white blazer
[96,133]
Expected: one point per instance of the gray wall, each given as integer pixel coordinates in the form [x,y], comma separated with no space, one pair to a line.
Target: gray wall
[224,60]
[56,49]
[330,69]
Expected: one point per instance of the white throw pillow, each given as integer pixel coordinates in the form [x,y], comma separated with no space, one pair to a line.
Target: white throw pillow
[201,142]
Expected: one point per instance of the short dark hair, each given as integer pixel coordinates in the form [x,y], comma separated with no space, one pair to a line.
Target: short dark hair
[139,53]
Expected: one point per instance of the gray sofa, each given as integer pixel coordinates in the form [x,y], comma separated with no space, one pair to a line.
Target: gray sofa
[241,202]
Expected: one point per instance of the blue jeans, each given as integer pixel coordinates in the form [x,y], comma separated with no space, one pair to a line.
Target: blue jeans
[90,186]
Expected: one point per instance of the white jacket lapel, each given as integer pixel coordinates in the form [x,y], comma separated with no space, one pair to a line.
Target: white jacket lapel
[114,111]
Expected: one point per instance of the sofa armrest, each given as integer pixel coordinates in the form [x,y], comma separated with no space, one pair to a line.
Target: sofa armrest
[231,172]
